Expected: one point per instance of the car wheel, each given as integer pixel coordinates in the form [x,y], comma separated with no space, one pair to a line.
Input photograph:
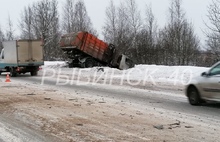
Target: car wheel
[193,96]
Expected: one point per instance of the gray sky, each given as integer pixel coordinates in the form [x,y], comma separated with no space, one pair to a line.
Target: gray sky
[196,11]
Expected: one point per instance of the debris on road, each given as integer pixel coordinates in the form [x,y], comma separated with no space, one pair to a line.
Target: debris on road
[159,127]
[188,126]
[31,94]
[47,98]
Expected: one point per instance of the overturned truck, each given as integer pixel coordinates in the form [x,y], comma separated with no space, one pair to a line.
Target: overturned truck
[86,50]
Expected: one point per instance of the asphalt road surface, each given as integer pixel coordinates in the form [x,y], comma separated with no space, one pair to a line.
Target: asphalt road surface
[171,100]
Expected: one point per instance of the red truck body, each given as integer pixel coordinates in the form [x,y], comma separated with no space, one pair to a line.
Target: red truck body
[86,50]
[87,43]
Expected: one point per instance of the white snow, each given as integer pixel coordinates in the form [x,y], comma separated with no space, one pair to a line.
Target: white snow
[138,74]
[54,64]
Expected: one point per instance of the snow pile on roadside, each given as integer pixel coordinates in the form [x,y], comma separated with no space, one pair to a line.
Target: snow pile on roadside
[159,73]
[54,64]
[152,73]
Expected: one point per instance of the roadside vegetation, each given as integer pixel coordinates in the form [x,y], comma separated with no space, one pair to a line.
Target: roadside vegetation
[136,35]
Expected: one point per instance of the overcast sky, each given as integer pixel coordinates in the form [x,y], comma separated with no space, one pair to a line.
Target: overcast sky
[196,11]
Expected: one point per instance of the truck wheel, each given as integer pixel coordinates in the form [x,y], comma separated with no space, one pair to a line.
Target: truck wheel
[34,73]
[70,65]
[89,63]
[12,72]
[193,96]
[74,63]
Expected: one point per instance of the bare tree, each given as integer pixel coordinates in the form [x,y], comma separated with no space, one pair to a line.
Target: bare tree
[135,24]
[177,19]
[45,18]
[26,23]
[110,27]
[134,17]
[146,39]
[82,21]
[151,24]
[213,33]
[116,28]
[2,38]
[46,26]
[10,30]
[179,39]
[123,30]
[68,25]
[75,17]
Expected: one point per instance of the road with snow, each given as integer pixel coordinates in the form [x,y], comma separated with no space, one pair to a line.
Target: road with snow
[171,98]
[165,102]
[15,131]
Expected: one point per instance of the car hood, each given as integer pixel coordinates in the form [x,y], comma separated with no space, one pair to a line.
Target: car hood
[196,79]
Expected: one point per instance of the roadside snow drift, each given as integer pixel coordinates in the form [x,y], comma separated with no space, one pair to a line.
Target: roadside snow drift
[138,74]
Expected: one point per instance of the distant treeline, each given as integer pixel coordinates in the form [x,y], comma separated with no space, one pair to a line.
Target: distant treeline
[138,37]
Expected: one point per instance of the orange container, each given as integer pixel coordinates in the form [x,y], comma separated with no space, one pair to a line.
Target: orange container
[87,43]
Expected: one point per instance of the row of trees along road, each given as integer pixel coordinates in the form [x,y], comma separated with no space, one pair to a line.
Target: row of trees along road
[175,44]
[136,35]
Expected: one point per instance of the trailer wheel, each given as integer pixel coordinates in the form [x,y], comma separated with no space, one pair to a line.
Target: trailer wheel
[13,73]
[34,73]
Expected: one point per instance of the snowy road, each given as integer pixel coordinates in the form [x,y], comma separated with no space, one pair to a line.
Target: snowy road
[172,99]
[167,102]
[15,131]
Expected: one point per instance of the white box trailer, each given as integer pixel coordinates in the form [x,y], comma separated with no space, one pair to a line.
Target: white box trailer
[21,56]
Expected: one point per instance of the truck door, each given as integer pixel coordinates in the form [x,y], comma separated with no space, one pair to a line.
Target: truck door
[37,51]
[2,56]
[30,52]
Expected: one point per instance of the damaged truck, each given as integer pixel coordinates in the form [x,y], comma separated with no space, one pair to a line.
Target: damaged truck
[86,50]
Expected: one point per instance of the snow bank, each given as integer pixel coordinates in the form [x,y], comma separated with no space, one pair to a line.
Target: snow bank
[144,73]
[178,74]
[54,64]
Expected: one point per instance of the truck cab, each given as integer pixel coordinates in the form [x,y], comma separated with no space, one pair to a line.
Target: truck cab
[124,62]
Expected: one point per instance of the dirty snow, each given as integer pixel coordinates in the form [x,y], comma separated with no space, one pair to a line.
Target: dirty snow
[74,115]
